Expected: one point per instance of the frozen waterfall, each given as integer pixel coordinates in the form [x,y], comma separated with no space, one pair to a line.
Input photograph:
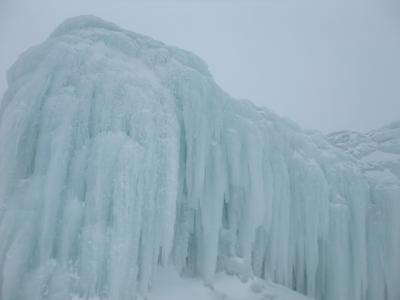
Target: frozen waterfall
[119,154]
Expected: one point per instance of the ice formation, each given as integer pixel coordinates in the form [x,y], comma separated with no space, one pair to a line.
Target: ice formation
[119,154]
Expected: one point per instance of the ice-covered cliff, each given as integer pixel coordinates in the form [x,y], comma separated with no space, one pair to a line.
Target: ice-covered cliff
[119,154]
[377,154]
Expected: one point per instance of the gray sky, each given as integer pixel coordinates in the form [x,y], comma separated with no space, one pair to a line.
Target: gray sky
[326,64]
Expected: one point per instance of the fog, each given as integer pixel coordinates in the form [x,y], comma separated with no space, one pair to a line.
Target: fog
[328,65]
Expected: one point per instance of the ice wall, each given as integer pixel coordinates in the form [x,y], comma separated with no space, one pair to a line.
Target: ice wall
[119,154]
[378,155]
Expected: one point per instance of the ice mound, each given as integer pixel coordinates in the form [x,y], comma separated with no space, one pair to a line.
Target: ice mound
[119,154]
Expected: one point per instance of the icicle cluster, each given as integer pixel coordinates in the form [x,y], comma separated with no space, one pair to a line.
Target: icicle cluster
[119,154]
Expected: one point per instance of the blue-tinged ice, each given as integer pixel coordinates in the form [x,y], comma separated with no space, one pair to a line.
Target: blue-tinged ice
[119,154]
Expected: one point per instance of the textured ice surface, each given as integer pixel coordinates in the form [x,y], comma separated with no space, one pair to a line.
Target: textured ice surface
[376,151]
[378,155]
[119,154]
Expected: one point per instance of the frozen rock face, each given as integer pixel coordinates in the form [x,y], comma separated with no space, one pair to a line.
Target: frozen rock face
[119,154]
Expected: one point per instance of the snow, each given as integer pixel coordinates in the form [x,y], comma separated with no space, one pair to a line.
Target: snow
[121,156]
[170,286]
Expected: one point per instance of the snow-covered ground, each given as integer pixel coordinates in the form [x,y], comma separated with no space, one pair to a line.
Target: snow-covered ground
[170,286]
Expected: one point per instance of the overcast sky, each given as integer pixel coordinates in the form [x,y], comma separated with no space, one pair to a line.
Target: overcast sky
[326,64]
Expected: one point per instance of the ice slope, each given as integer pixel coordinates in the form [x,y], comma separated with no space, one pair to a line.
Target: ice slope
[119,154]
